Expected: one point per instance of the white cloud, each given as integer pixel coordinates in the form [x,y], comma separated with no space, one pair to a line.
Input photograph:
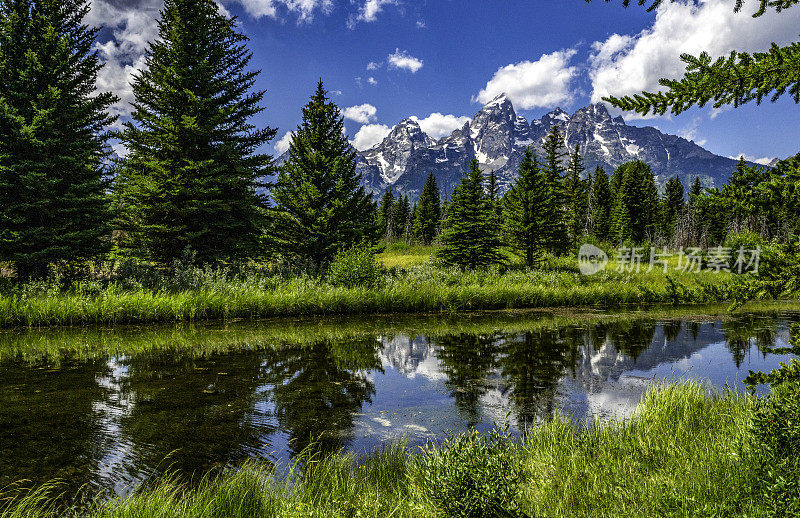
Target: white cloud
[690,132]
[404,61]
[544,83]
[282,145]
[373,66]
[624,65]
[305,10]
[369,11]
[420,24]
[372,81]
[437,125]
[762,161]
[362,113]
[369,135]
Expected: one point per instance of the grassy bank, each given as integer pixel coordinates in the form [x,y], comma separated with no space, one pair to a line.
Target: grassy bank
[213,295]
[685,452]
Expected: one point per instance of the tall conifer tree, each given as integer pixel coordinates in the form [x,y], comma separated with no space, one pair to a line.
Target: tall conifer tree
[429,211]
[469,237]
[601,203]
[385,211]
[673,206]
[553,166]
[577,195]
[526,204]
[192,172]
[321,207]
[52,136]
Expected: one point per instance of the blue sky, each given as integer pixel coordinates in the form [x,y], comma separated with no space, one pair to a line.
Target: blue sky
[445,57]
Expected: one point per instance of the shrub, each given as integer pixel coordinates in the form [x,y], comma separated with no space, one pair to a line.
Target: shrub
[355,267]
[743,240]
[473,476]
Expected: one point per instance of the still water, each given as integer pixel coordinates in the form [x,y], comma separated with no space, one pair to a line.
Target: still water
[110,422]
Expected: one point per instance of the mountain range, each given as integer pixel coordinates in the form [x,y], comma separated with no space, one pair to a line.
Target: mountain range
[497,136]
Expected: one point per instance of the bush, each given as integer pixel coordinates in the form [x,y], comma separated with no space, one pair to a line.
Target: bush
[473,476]
[356,267]
[743,240]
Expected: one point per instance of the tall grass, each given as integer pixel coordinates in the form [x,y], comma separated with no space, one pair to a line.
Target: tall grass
[212,295]
[684,453]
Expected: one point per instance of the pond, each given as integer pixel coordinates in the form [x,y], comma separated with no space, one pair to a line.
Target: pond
[99,419]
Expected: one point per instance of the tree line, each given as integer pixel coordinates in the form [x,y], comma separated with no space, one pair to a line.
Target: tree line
[193,176]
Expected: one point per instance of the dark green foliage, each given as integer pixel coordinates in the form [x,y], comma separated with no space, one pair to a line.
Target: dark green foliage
[321,207]
[493,191]
[600,203]
[473,476]
[401,216]
[672,206]
[355,267]
[526,217]
[385,213]
[635,203]
[553,167]
[469,237]
[577,196]
[52,136]
[428,212]
[192,172]
[737,79]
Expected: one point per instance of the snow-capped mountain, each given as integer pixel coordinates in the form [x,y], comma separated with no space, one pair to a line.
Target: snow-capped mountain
[497,136]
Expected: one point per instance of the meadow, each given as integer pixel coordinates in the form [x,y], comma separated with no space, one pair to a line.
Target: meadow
[401,280]
[687,451]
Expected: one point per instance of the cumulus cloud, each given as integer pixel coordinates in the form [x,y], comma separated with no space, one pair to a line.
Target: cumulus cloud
[628,64]
[372,81]
[543,83]
[373,66]
[370,135]
[282,145]
[763,160]
[362,113]
[369,11]
[404,61]
[304,10]
[437,125]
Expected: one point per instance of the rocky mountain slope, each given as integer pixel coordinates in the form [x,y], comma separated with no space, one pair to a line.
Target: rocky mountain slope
[497,136]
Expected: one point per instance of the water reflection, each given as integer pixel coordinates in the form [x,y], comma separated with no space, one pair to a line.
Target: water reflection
[113,423]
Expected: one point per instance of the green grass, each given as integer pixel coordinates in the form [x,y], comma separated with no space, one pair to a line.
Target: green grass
[414,289]
[684,453]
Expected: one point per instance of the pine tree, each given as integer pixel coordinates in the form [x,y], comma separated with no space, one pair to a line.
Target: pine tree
[192,172]
[400,217]
[635,204]
[469,238]
[577,194]
[385,211]
[601,203]
[525,220]
[321,207]
[52,136]
[553,168]
[673,206]
[429,212]
[493,191]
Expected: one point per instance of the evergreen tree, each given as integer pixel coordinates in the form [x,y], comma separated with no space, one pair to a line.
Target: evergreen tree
[400,217]
[320,206]
[52,137]
[494,197]
[577,194]
[633,214]
[385,211]
[429,212]
[469,238]
[554,172]
[601,201]
[673,206]
[737,79]
[192,171]
[525,219]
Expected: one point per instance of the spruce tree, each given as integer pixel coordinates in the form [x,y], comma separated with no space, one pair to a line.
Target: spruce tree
[525,220]
[673,206]
[400,217]
[493,190]
[385,211]
[469,237]
[601,203]
[192,171]
[633,214]
[554,154]
[52,136]
[429,212]
[321,207]
[577,195]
